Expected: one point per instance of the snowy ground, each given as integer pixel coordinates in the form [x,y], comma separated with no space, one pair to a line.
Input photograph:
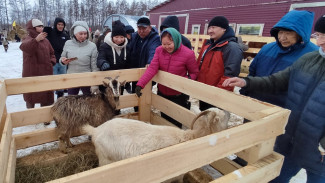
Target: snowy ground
[11,67]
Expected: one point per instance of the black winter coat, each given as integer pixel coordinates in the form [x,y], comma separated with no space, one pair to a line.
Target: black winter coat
[57,38]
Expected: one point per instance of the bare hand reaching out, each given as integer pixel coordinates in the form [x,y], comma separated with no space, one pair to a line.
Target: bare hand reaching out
[235,81]
[41,36]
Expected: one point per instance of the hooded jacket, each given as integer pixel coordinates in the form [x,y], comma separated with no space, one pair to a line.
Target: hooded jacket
[38,60]
[172,21]
[86,52]
[305,83]
[140,57]
[116,56]
[181,62]
[220,60]
[273,58]
[57,38]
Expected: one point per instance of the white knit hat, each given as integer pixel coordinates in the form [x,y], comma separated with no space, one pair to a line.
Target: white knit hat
[79,28]
[36,22]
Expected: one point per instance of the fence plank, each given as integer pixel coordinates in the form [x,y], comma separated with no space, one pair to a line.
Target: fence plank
[10,178]
[4,148]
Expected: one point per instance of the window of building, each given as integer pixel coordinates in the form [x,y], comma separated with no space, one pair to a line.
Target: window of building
[196,29]
[249,29]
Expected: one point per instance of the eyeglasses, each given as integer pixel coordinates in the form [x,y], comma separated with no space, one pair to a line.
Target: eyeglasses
[318,36]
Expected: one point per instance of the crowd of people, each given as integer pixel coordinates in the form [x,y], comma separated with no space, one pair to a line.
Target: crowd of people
[289,72]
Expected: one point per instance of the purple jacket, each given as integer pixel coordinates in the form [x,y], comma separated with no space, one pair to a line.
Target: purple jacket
[182,63]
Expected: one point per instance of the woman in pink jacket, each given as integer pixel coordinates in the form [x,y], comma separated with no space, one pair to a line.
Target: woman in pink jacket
[175,58]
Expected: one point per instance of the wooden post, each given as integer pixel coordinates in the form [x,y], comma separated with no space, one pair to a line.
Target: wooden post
[145,100]
[4,148]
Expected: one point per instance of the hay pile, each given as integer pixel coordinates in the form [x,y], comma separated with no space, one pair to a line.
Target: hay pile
[52,164]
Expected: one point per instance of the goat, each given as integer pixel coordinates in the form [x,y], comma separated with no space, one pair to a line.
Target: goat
[70,113]
[119,138]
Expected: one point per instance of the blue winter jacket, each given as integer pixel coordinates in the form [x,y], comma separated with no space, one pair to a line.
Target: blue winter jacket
[272,58]
[305,83]
[150,43]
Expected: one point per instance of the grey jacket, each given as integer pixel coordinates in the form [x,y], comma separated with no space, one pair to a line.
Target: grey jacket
[86,52]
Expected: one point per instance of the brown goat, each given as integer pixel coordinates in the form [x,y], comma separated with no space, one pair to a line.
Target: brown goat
[70,113]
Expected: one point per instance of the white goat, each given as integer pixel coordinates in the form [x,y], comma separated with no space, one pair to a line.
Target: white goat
[120,138]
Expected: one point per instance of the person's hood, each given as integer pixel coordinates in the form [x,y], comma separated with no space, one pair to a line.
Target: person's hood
[80,23]
[31,30]
[299,21]
[229,35]
[108,39]
[56,21]
[170,21]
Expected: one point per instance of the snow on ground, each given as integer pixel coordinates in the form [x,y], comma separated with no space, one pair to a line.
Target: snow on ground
[11,67]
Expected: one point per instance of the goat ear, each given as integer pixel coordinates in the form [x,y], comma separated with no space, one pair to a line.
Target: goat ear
[109,78]
[123,83]
[105,84]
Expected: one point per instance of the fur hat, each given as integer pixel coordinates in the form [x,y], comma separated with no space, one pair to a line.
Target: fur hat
[219,21]
[320,25]
[143,22]
[36,22]
[79,28]
[118,29]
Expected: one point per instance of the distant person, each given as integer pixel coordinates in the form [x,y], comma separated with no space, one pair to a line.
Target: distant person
[38,60]
[175,58]
[129,31]
[96,36]
[5,44]
[80,55]
[101,38]
[302,144]
[172,21]
[143,45]
[57,37]
[243,46]
[17,38]
[220,57]
[292,35]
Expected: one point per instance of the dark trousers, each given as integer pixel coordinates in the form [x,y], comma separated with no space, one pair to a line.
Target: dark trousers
[75,91]
[290,168]
[181,100]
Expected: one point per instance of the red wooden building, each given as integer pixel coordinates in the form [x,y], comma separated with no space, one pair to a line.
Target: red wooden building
[254,17]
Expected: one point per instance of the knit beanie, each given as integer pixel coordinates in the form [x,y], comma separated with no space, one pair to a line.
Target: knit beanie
[118,29]
[36,22]
[219,21]
[177,38]
[78,29]
[320,25]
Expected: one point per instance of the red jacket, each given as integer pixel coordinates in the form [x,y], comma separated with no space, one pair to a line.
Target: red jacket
[179,63]
[220,62]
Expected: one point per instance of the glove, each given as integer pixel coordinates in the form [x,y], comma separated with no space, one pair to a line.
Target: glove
[105,67]
[138,90]
[94,89]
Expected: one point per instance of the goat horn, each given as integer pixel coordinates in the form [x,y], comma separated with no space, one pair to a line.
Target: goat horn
[109,78]
[198,116]
[116,77]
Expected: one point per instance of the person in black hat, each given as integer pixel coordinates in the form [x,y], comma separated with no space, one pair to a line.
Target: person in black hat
[292,35]
[172,21]
[57,37]
[129,30]
[220,57]
[303,142]
[143,45]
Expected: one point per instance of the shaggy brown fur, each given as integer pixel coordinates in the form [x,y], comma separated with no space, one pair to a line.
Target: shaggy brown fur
[70,113]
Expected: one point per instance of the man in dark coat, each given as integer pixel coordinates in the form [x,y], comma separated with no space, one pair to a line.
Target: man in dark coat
[143,46]
[57,37]
[38,60]
[172,21]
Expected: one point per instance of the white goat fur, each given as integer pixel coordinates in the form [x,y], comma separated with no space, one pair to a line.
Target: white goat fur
[121,138]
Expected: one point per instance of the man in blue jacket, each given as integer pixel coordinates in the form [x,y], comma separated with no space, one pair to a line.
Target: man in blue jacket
[292,35]
[143,45]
